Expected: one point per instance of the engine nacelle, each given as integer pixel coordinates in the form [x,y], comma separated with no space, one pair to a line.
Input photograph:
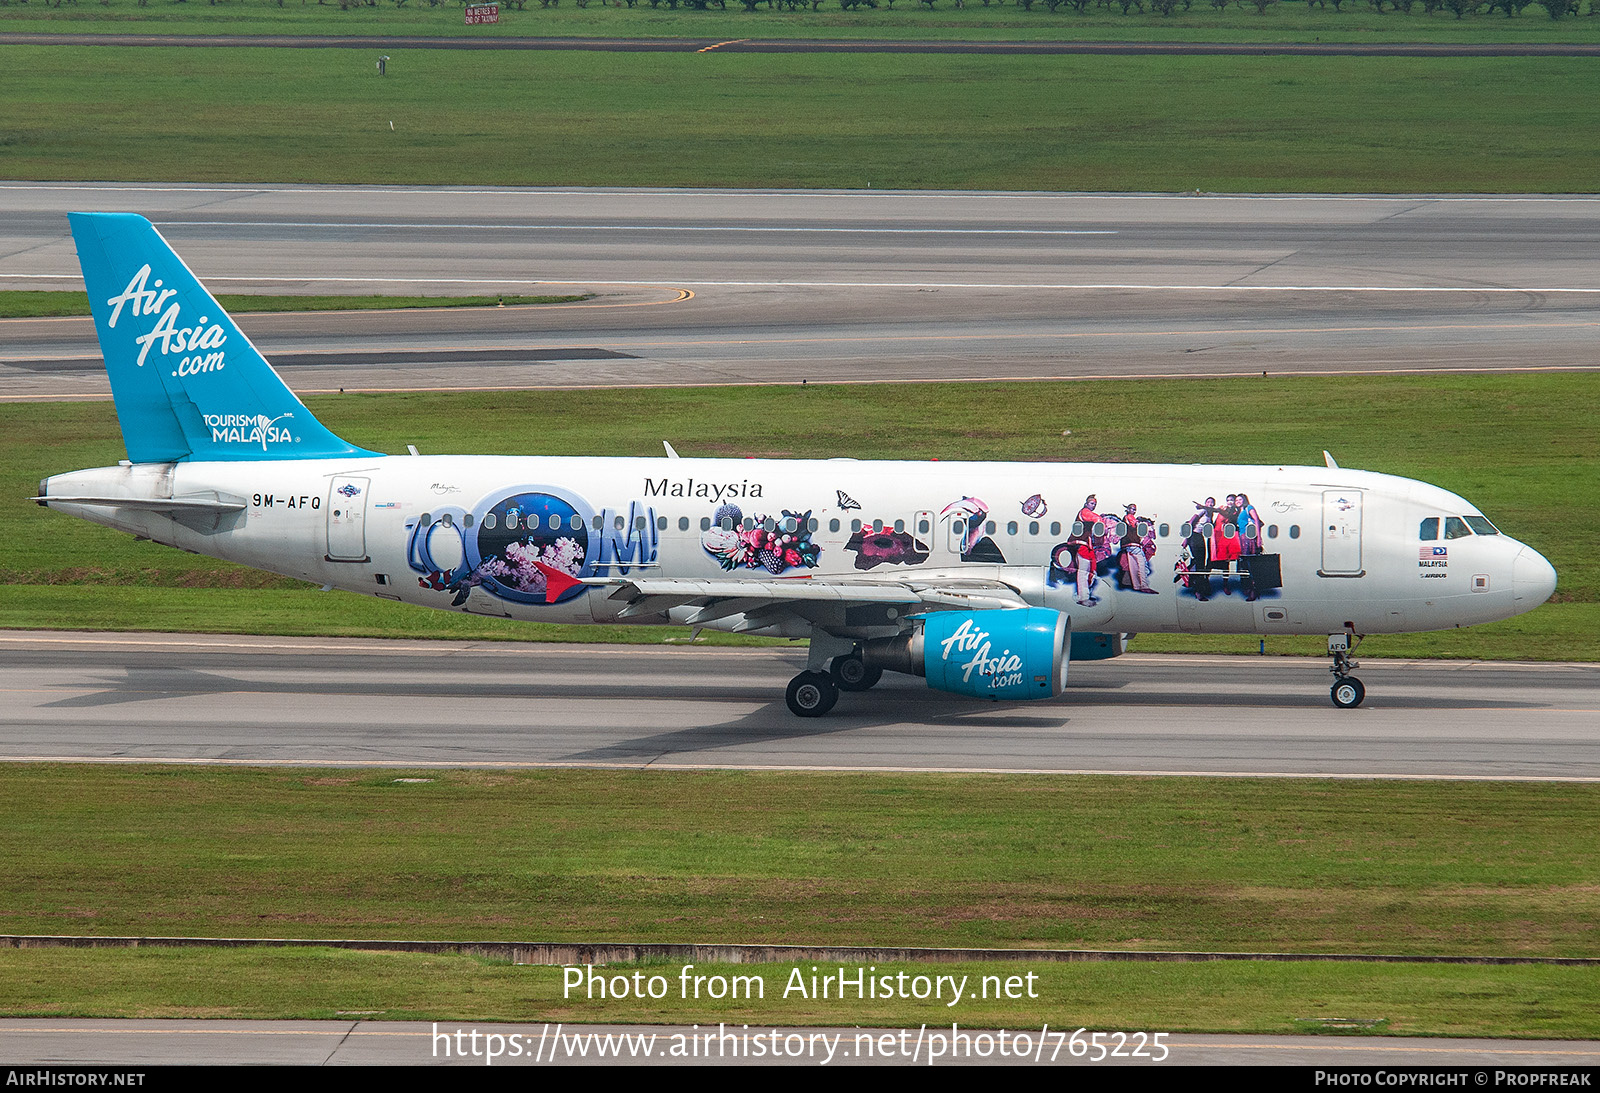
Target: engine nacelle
[1003,654]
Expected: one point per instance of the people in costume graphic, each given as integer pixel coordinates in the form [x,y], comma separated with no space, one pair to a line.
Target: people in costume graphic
[975,545]
[1225,546]
[1137,547]
[1193,568]
[1249,522]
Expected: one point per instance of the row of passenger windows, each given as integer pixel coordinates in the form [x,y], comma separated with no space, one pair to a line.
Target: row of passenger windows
[789,524]
[1456,527]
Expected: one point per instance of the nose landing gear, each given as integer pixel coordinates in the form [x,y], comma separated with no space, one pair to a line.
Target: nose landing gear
[1347,691]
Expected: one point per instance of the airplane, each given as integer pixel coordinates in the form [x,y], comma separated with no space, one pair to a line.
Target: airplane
[985,579]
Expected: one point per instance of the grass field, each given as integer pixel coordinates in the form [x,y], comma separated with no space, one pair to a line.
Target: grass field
[29,305]
[1239,23]
[1032,123]
[1264,865]
[1257,997]
[1544,440]
[1063,862]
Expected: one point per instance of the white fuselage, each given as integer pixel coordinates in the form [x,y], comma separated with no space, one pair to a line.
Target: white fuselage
[1315,550]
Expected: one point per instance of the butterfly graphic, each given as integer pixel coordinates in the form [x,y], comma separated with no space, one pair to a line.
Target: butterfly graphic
[846,501]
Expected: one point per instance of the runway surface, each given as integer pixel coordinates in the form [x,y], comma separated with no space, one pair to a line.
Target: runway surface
[249,700]
[708,287]
[411,1043]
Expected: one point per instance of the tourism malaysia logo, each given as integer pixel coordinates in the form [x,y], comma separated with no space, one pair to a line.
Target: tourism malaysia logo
[142,298]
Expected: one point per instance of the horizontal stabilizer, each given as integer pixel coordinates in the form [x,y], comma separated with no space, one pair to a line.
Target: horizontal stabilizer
[149,504]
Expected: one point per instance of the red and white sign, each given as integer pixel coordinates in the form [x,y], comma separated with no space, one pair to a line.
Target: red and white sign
[483,13]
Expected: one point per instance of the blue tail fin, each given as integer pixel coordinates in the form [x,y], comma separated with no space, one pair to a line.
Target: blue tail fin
[187,383]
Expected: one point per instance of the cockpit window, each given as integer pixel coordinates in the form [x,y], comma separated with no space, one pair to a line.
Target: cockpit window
[1430,529]
[1481,526]
[1456,528]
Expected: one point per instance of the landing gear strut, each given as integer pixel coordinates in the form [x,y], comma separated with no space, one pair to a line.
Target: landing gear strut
[1347,691]
[811,694]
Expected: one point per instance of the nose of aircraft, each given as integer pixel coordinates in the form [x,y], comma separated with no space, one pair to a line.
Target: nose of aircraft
[1533,579]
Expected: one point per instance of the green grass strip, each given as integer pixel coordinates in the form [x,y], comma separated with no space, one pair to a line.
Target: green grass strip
[1250,124]
[1254,997]
[795,858]
[1200,22]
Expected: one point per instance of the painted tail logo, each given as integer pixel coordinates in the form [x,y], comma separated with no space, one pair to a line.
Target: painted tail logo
[248,429]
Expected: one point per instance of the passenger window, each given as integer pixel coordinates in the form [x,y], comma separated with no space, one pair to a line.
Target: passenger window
[989,527]
[447,520]
[490,520]
[640,522]
[1011,528]
[958,527]
[769,525]
[813,524]
[1077,527]
[899,525]
[1272,531]
[427,518]
[705,523]
[683,523]
[790,524]
[1456,528]
[1183,530]
[727,523]
[511,520]
[1055,527]
[922,527]
[575,523]
[1164,529]
[1033,527]
[1481,526]
[1294,531]
[661,523]
[599,523]
[855,525]
[467,521]
[833,525]
[1430,529]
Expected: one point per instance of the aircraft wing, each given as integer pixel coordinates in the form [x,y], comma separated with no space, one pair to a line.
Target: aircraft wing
[718,597]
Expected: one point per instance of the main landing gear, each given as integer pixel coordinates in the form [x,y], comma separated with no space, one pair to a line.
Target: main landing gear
[851,673]
[1347,691]
[812,694]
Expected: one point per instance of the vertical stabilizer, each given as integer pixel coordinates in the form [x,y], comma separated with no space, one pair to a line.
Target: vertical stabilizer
[187,383]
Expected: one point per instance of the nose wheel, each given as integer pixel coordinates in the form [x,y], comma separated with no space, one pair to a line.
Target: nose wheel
[1347,691]
[811,694]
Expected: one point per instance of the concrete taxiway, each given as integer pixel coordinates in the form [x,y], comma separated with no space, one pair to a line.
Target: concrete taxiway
[248,700]
[710,287]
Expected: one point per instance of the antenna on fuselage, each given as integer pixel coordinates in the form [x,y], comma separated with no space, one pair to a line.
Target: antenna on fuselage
[1328,459]
[671,452]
